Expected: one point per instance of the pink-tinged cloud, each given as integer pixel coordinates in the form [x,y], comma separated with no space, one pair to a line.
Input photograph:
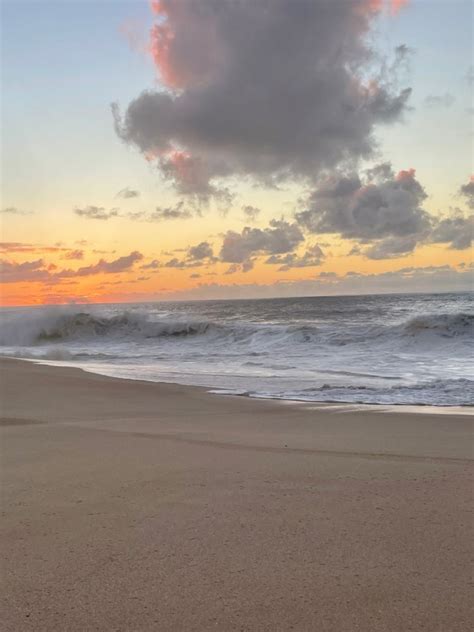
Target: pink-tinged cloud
[394,6]
[177,68]
[121,264]
[383,213]
[406,174]
[397,5]
[190,173]
[40,271]
[261,90]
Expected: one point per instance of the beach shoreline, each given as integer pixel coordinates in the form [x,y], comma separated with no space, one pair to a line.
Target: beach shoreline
[307,404]
[132,505]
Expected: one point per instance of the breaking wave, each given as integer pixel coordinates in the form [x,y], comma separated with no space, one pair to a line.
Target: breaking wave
[83,326]
[380,350]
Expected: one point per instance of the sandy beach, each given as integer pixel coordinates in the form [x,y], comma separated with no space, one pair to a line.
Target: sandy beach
[133,506]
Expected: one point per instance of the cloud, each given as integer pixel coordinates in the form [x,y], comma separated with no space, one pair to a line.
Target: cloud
[163,213]
[18,246]
[12,272]
[200,252]
[96,212]
[457,230]
[383,210]
[391,248]
[467,191]
[196,256]
[39,271]
[12,210]
[445,100]
[260,89]
[408,279]
[314,256]
[152,265]
[279,238]
[251,213]
[121,264]
[128,193]
[397,5]
[74,254]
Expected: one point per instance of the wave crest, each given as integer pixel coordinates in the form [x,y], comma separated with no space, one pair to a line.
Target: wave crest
[50,328]
[445,325]
[83,325]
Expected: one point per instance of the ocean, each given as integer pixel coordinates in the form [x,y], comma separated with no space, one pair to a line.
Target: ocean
[386,349]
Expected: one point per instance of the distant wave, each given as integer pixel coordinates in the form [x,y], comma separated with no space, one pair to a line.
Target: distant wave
[446,325]
[65,327]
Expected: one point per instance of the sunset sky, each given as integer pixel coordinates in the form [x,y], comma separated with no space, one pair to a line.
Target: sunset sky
[228,148]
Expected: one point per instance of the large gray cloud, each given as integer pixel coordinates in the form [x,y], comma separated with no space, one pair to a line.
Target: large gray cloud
[271,89]
[383,210]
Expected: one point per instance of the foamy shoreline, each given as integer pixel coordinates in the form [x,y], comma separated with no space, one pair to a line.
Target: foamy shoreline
[344,407]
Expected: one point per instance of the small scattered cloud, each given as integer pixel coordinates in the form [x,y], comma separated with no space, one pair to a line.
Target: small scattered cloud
[13,210]
[40,271]
[74,254]
[155,264]
[160,214]
[251,213]
[13,272]
[196,256]
[18,246]
[128,194]
[455,230]
[467,192]
[96,212]
[312,257]
[280,237]
[121,264]
[445,100]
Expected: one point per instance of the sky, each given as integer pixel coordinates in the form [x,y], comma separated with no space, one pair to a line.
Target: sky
[208,149]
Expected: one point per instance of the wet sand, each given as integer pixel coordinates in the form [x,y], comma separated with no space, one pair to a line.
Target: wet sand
[133,506]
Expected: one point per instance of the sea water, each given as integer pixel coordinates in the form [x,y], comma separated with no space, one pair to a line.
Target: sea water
[386,349]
